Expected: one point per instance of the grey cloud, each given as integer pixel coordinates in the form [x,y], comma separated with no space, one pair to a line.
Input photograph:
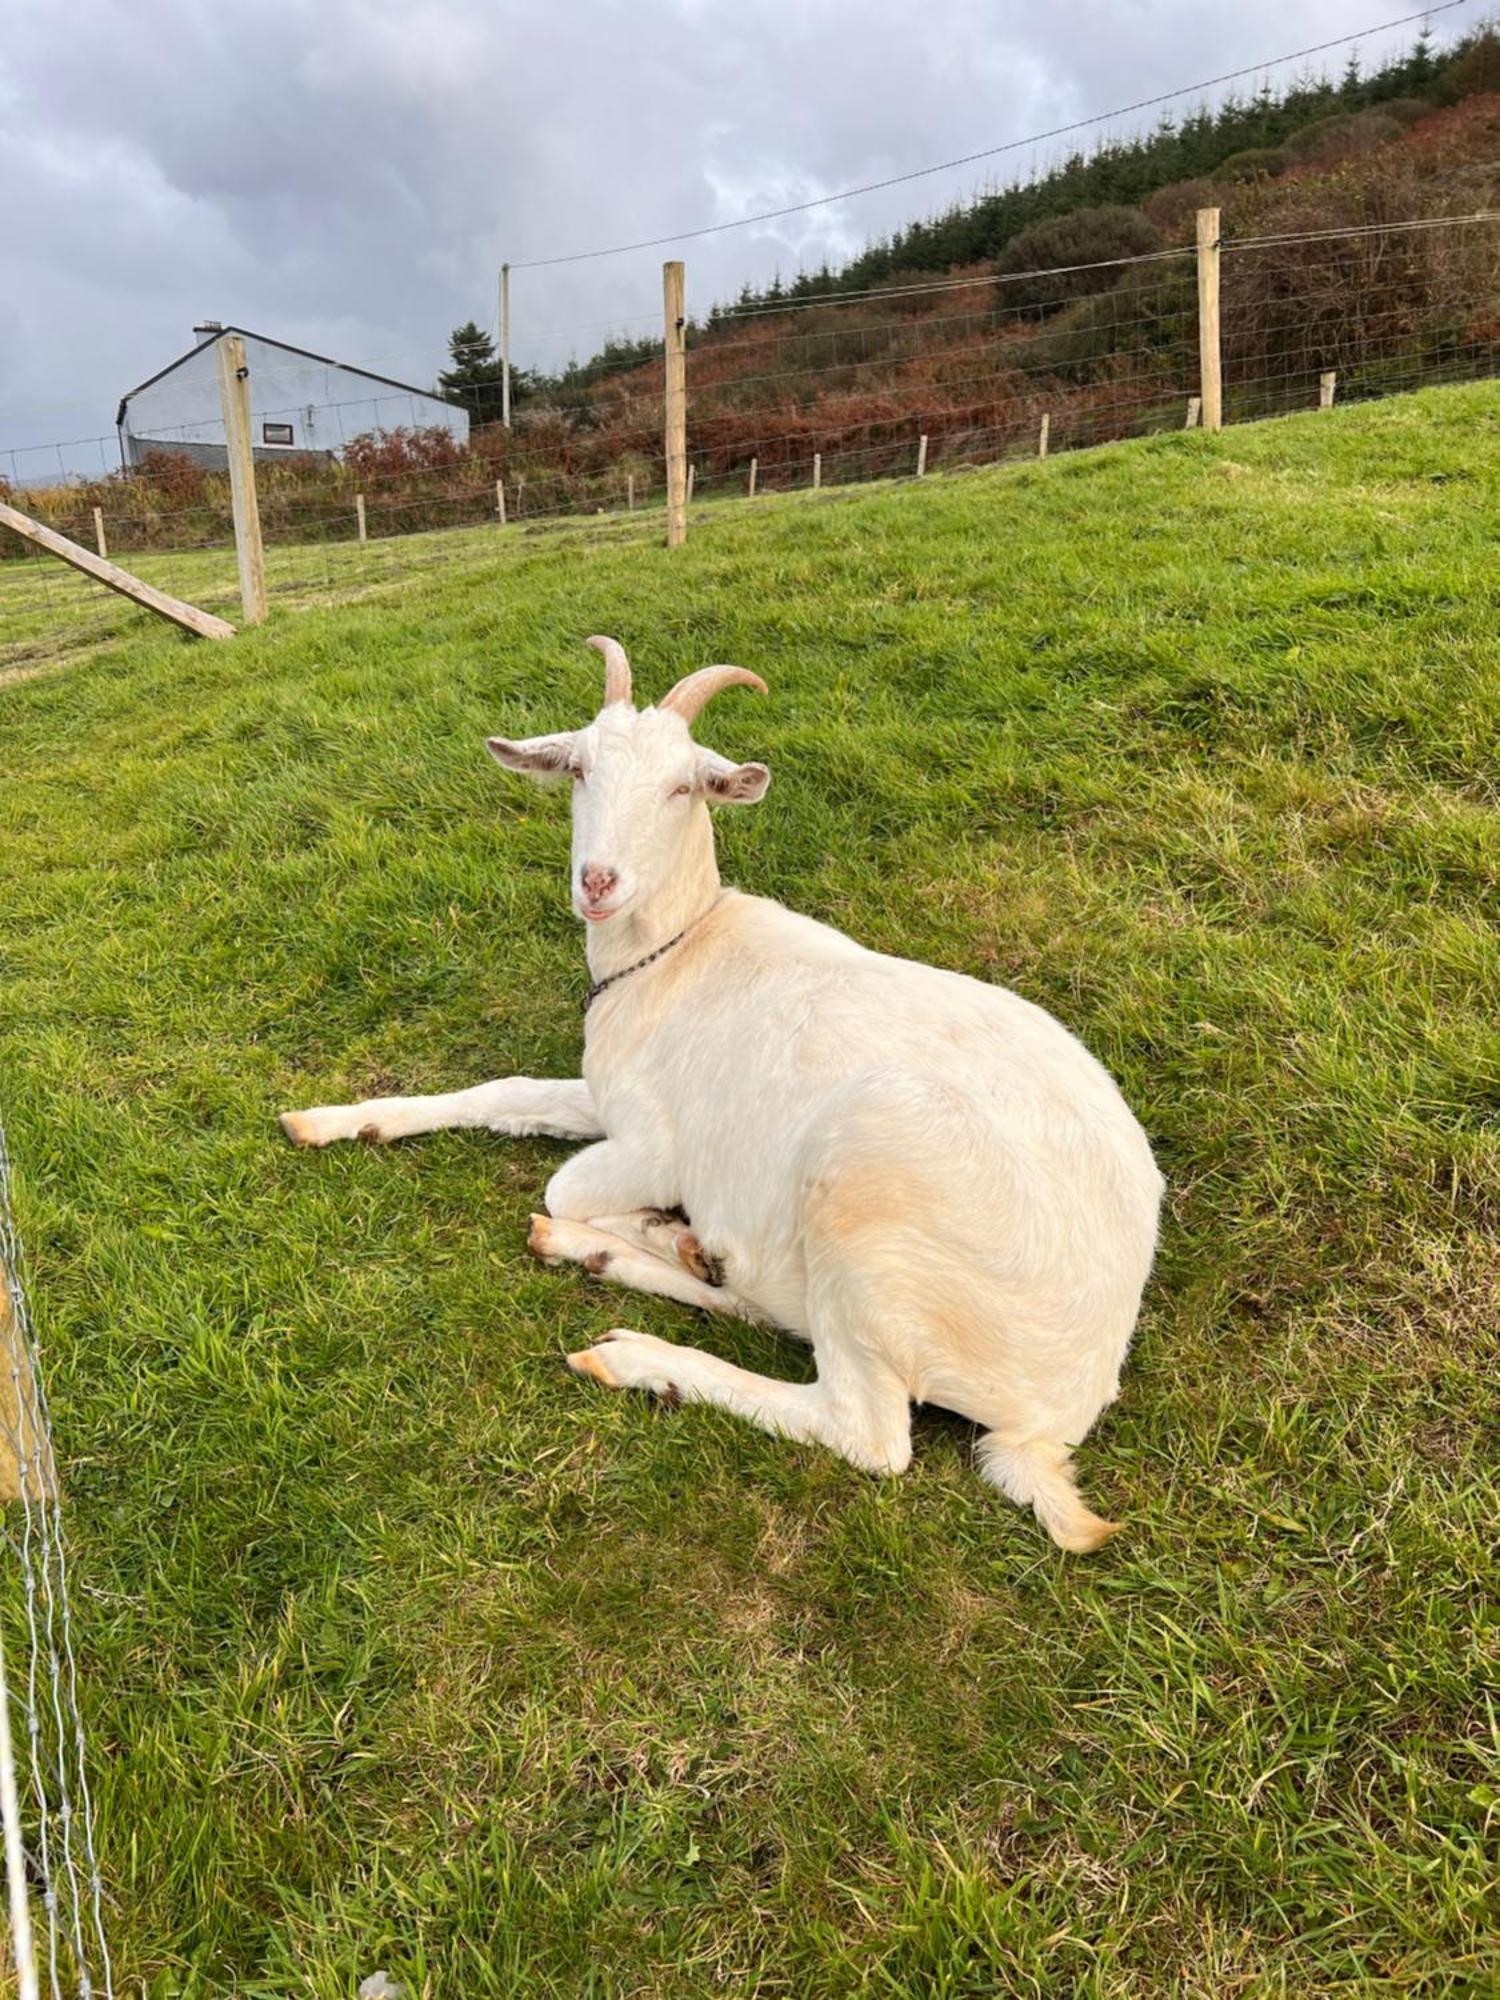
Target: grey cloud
[348,174]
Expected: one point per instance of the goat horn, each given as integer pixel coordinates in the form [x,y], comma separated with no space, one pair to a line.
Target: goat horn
[690,693]
[616,669]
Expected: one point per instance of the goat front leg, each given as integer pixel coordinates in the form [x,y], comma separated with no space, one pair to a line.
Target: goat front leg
[520,1107]
[858,1406]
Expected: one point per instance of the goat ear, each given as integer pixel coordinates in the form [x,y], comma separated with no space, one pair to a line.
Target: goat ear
[545,758]
[726,784]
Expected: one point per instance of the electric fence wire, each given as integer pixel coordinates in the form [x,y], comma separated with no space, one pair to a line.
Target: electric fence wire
[64,1858]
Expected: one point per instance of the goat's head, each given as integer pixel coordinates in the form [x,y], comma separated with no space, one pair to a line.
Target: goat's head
[641,785]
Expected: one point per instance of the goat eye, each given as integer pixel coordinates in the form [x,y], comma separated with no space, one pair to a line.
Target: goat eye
[681,791]
[577,774]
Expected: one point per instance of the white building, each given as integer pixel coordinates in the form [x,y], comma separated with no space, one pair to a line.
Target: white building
[299,402]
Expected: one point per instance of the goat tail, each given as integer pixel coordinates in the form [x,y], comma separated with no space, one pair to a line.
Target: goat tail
[1037,1474]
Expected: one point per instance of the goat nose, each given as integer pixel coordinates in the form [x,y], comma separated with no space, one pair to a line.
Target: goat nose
[597,882]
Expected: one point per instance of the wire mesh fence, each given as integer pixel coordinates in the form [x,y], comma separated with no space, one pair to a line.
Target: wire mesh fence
[894,382]
[57,1898]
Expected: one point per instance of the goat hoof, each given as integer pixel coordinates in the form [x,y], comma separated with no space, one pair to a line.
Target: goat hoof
[539,1240]
[625,1359]
[589,1361]
[694,1258]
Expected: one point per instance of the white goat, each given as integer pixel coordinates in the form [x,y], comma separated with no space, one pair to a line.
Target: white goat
[928,1178]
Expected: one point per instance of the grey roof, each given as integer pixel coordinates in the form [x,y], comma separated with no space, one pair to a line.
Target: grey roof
[287,348]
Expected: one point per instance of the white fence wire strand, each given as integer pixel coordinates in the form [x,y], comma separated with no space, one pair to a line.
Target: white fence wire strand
[51,1836]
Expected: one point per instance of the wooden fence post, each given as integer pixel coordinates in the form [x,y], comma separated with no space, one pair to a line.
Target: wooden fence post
[359,515]
[24,1474]
[674,312]
[817,470]
[1210,357]
[234,398]
[500,501]
[922,455]
[692,474]
[1328,382]
[1044,434]
[630,491]
[754,468]
[1194,408]
[99,542]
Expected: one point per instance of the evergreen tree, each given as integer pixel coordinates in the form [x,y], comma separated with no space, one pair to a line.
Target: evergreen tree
[474,378]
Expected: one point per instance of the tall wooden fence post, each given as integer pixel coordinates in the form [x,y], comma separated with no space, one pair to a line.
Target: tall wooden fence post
[500,501]
[754,468]
[630,491]
[674,311]
[234,397]
[1328,382]
[922,455]
[99,542]
[1043,436]
[359,516]
[1210,358]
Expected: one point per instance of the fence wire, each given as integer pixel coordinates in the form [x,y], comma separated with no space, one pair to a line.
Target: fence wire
[56,1831]
[826,390]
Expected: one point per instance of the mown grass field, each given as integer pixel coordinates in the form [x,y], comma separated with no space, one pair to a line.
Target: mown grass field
[404,1648]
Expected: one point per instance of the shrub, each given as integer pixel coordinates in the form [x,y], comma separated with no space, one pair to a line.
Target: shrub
[1255,163]
[1406,110]
[1087,237]
[1172,207]
[384,454]
[1342,137]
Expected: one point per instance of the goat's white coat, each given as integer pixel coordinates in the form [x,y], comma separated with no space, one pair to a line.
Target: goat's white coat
[927,1177]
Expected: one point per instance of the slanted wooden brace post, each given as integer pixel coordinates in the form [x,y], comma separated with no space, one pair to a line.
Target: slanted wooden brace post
[203,623]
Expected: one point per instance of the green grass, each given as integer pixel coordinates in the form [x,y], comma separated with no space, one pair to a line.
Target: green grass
[402,1647]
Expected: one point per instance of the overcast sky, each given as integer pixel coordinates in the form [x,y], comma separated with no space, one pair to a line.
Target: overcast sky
[347,175]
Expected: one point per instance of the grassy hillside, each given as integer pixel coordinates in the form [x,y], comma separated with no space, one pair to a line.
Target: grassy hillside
[402,1647]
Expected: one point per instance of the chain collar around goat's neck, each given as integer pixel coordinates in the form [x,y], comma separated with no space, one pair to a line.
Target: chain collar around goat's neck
[602,985]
